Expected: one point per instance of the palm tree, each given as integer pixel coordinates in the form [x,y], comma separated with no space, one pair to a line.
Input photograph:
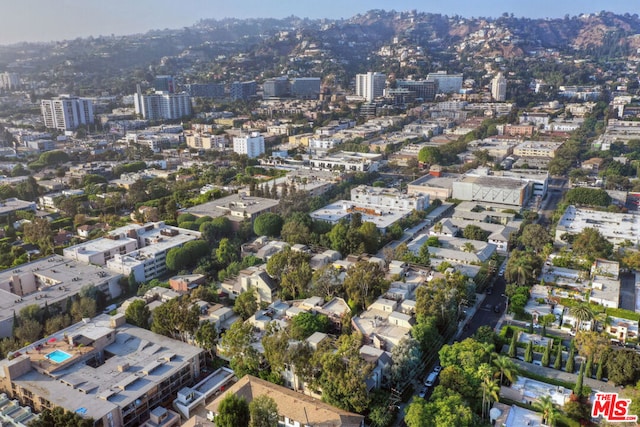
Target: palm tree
[438,227]
[490,390]
[519,271]
[506,367]
[582,313]
[548,409]
[468,247]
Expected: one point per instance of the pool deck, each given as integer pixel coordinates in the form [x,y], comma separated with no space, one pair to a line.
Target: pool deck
[38,354]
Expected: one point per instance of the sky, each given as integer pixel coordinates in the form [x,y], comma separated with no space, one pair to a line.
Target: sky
[48,20]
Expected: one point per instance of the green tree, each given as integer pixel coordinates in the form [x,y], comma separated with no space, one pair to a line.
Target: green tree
[535,237]
[591,244]
[522,267]
[207,337]
[83,308]
[60,417]
[268,224]
[364,283]
[473,232]
[177,319]
[513,346]
[326,282]
[343,375]
[276,345]
[263,412]
[582,312]
[296,232]
[490,391]
[138,314]
[226,253]
[245,304]
[178,259]
[548,409]
[557,364]
[577,390]
[587,196]
[233,411]
[406,356]
[506,368]
[303,325]
[28,331]
[528,353]
[546,356]
[425,331]
[570,366]
[623,367]
[429,155]
[370,237]
[236,345]
[39,233]
[293,271]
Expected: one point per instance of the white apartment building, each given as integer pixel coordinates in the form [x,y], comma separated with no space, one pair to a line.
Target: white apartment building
[499,87]
[324,143]
[252,145]
[140,249]
[66,112]
[371,85]
[163,105]
[347,161]
[9,80]
[388,198]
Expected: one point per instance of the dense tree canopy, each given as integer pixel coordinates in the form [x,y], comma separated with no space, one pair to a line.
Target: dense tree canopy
[268,224]
[591,244]
[587,196]
[233,411]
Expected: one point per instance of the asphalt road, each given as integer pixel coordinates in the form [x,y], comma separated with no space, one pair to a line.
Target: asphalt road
[485,314]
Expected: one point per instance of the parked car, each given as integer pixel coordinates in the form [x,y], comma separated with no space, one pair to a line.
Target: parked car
[431,379]
[423,392]
[497,308]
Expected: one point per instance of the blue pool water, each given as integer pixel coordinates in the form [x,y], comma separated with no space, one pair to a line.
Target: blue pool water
[58,356]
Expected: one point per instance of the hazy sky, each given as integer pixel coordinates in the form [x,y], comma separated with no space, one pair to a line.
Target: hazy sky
[45,20]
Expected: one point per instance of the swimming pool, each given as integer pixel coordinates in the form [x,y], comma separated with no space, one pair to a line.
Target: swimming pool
[58,356]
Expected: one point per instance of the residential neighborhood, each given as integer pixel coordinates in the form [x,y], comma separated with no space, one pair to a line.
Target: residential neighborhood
[397,219]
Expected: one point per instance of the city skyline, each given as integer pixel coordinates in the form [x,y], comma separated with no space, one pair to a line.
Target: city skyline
[41,20]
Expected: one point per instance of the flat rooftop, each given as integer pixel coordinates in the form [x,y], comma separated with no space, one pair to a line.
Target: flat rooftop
[616,227]
[148,358]
[65,278]
[235,203]
[495,182]
[444,181]
[337,211]
[13,204]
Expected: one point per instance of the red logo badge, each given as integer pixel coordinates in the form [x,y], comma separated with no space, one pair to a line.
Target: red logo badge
[611,408]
